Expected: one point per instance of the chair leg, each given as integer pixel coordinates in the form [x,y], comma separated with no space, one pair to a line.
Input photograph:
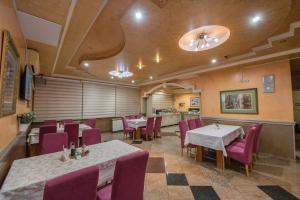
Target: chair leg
[254,157]
[247,170]
[251,167]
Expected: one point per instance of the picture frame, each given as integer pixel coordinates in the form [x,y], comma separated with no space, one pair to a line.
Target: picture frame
[194,102]
[244,101]
[9,73]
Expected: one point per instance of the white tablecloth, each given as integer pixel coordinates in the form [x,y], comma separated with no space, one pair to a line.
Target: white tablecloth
[33,136]
[27,177]
[213,137]
[136,123]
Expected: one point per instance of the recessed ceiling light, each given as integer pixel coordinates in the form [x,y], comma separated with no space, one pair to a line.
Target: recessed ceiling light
[132,81]
[157,58]
[255,19]
[140,65]
[138,15]
[111,77]
[150,77]
[86,64]
[213,61]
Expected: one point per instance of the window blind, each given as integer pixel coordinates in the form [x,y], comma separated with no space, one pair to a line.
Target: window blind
[57,99]
[127,101]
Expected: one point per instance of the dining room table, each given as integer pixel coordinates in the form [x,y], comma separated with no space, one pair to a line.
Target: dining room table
[27,177]
[137,124]
[33,136]
[214,136]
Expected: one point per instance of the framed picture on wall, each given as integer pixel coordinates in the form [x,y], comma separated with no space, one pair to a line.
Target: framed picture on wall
[195,102]
[239,101]
[9,70]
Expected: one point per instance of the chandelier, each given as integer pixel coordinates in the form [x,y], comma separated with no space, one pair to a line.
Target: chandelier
[203,41]
[121,72]
[204,38]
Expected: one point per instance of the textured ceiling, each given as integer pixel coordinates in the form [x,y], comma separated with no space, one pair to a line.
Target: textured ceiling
[106,33]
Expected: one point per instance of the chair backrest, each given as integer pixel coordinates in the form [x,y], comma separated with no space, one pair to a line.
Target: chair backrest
[50,122]
[92,123]
[139,116]
[130,117]
[157,124]
[198,123]
[77,185]
[91,136]
[130,173]
[72,129]
[44,129]
[183,128]
[150,125]
[257,137]
[67,121]
[192,124]
[53,142]
[125,123]
[248,148]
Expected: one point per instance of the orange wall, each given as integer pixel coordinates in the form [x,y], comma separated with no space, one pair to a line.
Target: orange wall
[8,21]
[272,106]
[183,98]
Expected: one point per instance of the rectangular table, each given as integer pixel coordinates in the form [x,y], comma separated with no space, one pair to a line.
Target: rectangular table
[137,124]
[33,136]
[213,137]
[27,177]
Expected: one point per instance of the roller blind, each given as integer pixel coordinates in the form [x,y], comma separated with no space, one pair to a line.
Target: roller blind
[161,100]
[57,99]
[98,100]
[127,101]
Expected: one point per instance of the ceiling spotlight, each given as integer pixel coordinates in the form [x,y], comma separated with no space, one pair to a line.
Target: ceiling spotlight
[157,58]
[216,40]
[213,61]
[111,77]
[132,81]
[138,15]
[86,64]
[140,65]
[150,77]
[256,19]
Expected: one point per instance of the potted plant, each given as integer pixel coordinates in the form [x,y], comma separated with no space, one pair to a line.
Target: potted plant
[26,118]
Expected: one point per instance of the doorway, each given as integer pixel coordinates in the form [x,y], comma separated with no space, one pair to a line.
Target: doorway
[295,72]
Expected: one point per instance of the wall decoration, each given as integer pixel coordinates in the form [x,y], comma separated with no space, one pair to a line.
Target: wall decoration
[239,101]
[269,83]
[9,75]
[195,102]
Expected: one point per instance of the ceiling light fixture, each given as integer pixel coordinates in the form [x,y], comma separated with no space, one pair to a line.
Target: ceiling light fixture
[111,77]
[256,19]
[138,15]
[140,65]
[132,81]
[121,72]
[150,77]
[86,64]
[213,61]
[204,38]
[157,58]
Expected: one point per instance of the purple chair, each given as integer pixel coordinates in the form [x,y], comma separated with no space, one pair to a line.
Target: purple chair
[192,124]
[148,130]
[139,116]
[50,122]
[157,126]
[129,178]
[53,142]
[183,127]
[91,136]
[73,130]
[241,142]
[91,123]
[44,130]
[67,121]
[243,154]
[199,123]
[127,130]
[77,185]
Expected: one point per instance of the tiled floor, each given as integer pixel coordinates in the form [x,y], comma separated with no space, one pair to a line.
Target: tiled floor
[185,179]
